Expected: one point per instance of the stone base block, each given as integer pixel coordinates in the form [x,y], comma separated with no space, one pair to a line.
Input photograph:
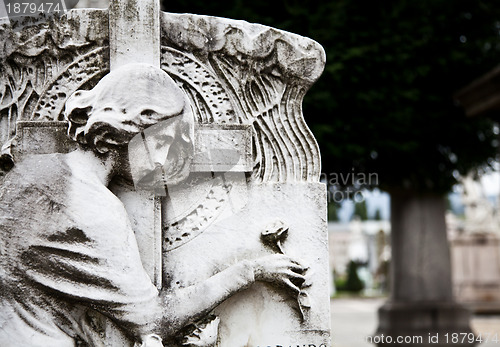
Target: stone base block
[424,324]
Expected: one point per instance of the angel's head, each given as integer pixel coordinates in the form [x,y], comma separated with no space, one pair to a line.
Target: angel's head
[136,109]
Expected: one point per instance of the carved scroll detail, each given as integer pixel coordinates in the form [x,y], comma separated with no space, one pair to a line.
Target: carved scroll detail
[205,212]
[90,66]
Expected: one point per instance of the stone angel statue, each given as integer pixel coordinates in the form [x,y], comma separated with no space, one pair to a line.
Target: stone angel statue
[68,254]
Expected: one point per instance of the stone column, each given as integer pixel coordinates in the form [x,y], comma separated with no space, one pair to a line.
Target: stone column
[421,305]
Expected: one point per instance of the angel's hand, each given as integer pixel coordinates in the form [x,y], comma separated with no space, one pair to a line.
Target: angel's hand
[280,270]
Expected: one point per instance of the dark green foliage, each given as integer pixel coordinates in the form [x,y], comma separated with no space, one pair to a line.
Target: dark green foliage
[448,204]
[360,210]
[333,212]
[352,283]
[385,101]
[378,215]
[339,283]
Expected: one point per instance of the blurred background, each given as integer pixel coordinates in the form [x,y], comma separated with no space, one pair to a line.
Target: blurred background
[406,117]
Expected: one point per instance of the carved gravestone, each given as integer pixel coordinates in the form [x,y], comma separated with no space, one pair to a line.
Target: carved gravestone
[231,246]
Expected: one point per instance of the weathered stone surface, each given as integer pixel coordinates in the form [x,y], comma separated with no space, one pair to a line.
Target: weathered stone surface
[223,148]
[251,74]
[217,148]
[263,315]
[134,32]
[422,273]
[221,242]
[44,63]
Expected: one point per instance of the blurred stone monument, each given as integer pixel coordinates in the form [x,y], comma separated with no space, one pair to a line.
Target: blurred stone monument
[480,215]
[475,251]
[223,242]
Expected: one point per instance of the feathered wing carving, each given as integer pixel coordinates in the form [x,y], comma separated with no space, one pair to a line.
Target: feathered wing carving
[285,150]
[89,67]
[264,74]
[208,97]
[44,62]
[230,80]
[246,74]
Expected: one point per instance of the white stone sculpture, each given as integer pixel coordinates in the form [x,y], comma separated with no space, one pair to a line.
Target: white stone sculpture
[67,241]
[219,242]
[480,215]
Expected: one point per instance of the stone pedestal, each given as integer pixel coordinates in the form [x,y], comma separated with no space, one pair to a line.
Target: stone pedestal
[424,323]
[421,302]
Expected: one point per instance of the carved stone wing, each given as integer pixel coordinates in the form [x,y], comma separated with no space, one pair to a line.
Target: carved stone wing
[259,76]
[42,63]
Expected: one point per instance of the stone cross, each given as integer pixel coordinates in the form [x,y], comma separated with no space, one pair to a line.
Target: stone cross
[134,32]
[134,37]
